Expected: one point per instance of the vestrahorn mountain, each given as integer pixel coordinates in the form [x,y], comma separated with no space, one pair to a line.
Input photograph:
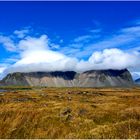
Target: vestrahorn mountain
[92,78]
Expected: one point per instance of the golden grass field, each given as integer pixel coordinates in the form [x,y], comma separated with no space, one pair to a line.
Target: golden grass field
[70,113]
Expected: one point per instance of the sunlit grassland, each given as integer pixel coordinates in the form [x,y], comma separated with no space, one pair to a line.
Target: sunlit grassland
[70,113]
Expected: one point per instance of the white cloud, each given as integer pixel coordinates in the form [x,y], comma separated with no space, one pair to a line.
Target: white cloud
[21,33]
[114,58]
[82,38]
[131,30]
[115,41]
[32,43]
[2,69]
[54,46]
[7,43]
[41,56]
[110,59]
[35,55]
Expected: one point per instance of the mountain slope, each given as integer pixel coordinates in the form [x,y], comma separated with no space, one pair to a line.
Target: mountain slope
[92,78]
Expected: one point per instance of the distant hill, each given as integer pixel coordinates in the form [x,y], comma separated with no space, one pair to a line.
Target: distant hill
[92,78]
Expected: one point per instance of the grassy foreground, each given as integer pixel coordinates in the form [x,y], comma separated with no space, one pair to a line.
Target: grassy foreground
[70,113]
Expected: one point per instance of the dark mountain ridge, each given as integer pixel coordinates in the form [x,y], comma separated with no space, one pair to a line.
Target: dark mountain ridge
[91,78]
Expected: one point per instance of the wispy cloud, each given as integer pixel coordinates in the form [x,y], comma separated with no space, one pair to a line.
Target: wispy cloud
[95,31]
[8,43]
[84,38]
[126,38]
[21,33]
[77,46]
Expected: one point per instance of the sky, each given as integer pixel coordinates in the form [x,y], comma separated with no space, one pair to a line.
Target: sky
[79,36]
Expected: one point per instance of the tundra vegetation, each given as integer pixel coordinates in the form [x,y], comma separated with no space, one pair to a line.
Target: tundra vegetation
[29,112]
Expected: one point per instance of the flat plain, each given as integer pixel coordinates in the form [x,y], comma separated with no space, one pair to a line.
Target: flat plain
[69,113]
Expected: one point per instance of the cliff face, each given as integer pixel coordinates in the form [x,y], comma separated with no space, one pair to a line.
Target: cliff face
[92,78]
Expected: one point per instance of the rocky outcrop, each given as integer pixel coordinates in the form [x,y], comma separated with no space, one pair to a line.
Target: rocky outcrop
[92,78]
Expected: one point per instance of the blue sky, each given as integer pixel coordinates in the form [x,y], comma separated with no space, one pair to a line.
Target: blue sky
[86,34]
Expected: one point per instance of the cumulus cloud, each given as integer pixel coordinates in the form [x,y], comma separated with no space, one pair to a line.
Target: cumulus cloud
[114,58]
[36,55]
[110,59]
[44,60]
[33,44]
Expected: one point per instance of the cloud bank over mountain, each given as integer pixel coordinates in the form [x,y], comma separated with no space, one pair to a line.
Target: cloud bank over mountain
[38,54]
[35,55]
